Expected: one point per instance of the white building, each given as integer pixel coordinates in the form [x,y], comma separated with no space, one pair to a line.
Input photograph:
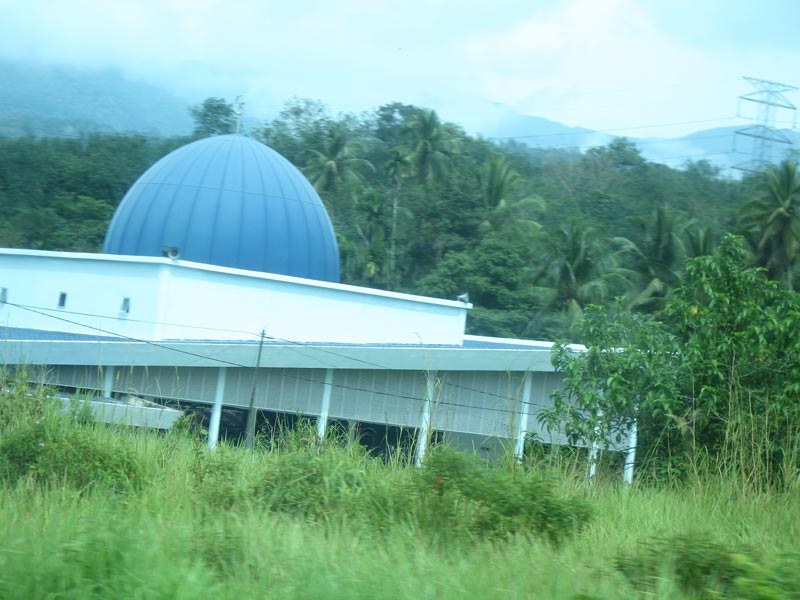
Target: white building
[222,240]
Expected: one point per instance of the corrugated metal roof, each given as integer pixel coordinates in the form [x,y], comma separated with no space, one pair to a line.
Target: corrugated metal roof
[18,333]
[41,335]
[229,201]
[32,347]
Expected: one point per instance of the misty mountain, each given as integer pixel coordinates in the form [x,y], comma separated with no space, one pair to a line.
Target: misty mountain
[38,100]
[720,146]
[500,123]
[45,100]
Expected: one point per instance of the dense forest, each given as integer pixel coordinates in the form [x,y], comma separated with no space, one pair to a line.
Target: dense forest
[533,235]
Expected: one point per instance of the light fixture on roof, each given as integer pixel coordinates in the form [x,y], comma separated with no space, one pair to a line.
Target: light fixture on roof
[172,252]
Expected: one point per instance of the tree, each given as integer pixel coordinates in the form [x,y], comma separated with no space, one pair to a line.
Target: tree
[498,181]
[719,379]
[741,369]
[336,164]
[213,117]
[626,374]
[774,216]
[431,146]
[493,273]
[397,169]
[580,268]
[364,257]
[658,257]
[302,124]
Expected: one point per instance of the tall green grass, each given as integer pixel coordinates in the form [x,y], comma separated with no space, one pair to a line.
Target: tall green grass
[296,519]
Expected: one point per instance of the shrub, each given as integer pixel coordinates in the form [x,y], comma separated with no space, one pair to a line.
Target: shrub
[460,491]
[314,483]
[55,450]
[702,567]
[19,402]
[218,477]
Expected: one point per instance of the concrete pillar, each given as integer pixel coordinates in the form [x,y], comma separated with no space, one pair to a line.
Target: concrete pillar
[322,422]
[630,457]
[522,417]
[109,373]
[424,429]
[216,410]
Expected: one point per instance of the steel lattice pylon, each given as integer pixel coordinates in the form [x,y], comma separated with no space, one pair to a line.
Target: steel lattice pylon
[769,96]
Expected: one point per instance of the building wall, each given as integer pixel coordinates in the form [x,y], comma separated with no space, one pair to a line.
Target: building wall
[479,403]
[94,294]
[179,300]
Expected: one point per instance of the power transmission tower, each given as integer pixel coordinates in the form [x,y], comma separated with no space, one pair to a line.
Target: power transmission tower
[769,97]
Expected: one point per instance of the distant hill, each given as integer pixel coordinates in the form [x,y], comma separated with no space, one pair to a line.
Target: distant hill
[502,122]
[38,100]
[719,146]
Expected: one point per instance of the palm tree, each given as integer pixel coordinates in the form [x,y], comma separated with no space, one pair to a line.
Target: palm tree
[579,268]
[397,169]
[699,241]
[775,219]
[658,258]
[365,257]
[336,164]
[431,146]
[497,181]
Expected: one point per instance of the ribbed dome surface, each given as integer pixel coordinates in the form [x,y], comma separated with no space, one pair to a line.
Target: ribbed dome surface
[229,201]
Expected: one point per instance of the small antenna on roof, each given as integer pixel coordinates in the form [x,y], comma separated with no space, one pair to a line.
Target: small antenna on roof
[238,104]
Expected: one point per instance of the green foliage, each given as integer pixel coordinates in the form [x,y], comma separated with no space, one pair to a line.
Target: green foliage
[707,569]
[454,497]
[59,194]
[741,375]
[57,450]
[579,267]
[213,117]
[773,219]
[315,485]
[723,383]
[303,519]
[336,163]
[458,490]
[420,206]
[626,375]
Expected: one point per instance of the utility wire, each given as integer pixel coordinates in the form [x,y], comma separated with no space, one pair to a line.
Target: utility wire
[593,131]
[290,343]
[287,375]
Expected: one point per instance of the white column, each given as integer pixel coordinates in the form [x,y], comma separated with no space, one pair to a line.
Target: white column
[108,381]
[424,429]
[594,449]
[216,410]
[630,458]
[322,422]
[522,417]
[593,460]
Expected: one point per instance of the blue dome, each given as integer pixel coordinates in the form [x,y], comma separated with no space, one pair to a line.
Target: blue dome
[229,201]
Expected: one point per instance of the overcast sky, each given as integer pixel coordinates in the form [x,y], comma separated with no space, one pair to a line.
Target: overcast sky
[611,65]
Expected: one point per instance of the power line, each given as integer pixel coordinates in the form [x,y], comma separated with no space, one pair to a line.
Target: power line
[307,346]
[593,131]
[295,377]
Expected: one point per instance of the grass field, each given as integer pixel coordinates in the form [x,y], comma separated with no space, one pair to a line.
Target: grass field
[93,512]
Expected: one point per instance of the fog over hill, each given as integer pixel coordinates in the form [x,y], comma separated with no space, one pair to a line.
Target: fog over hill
[720,146]
[39,100]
